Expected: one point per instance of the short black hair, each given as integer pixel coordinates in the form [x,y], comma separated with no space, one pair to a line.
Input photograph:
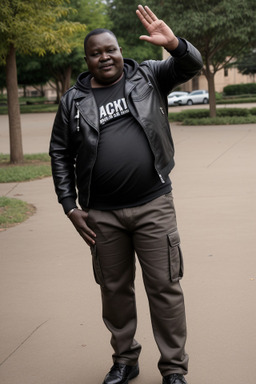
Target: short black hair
[96,31]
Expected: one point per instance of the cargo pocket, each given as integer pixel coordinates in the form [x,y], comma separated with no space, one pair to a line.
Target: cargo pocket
[175,256]
[96,267]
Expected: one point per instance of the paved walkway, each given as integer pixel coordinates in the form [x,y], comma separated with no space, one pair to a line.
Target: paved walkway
[50,326]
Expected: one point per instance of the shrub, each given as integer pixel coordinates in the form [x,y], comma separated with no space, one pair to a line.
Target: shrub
[189,114]
[237,99]
[226,120]
[240,89]
[198,114]
[221,112]
[218,96]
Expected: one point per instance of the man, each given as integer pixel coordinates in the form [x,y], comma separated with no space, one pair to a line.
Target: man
[111,140]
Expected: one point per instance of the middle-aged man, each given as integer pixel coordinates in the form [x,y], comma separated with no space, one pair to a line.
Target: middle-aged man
[111,142]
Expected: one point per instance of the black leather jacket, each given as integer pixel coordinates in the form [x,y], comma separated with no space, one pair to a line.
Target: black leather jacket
[75,134]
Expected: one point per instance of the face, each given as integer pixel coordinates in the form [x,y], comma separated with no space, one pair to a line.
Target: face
[104,58]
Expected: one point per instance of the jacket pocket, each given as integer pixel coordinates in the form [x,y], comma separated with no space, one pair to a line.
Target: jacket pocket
[175,256]
[98,275]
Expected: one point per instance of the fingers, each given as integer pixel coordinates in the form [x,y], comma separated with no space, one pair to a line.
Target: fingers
[78,219]
[87,235]
[145,15]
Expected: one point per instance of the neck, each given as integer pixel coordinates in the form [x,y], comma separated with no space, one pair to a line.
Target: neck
[96,84]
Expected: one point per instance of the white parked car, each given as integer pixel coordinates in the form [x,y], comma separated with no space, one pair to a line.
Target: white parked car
[194,97]
[173,96]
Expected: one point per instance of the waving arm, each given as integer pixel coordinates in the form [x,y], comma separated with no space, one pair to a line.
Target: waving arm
[159,32]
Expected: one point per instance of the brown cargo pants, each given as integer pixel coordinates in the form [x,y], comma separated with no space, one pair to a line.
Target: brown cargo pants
[150,232]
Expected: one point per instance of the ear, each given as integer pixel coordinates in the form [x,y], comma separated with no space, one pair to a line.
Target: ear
[85,59]
[121,49]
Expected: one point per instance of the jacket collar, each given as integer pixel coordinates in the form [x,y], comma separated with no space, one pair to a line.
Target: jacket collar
[83,85]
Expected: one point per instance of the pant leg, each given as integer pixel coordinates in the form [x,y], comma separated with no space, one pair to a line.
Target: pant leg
[156,242]
[114,268]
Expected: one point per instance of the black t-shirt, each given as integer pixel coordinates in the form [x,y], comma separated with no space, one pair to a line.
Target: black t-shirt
[124,174]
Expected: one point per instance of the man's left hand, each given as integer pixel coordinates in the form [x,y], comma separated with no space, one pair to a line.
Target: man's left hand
[159,32]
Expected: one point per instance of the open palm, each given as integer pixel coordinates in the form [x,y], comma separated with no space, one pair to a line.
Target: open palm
[159,32]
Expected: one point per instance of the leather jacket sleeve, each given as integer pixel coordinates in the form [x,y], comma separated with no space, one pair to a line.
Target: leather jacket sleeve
[63,160]
[177,70]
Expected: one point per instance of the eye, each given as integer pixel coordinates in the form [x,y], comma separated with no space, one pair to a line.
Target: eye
[95,54]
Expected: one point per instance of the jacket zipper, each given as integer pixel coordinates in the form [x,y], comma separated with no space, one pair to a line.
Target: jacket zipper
[95,157]
[77,118]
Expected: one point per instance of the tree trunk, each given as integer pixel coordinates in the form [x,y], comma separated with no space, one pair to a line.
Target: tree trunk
[211,88]
[16,151]
[58,92]
[212,96]
[42,92]
[66,80]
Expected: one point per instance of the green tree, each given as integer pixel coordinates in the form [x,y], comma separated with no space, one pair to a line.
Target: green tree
[30,27]
[31,71]
[220,29]
[127,28]
[247,63]
[62,66]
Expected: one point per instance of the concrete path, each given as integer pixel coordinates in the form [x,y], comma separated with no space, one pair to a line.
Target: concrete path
[51,330]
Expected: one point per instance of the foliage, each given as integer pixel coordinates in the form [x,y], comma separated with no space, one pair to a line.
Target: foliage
[247,63]
[59,68]
[14,211]
[93,13]
[233,112]
[24,173]
[33,108]
[221,120]
[31,70]
[201,113]
[224,116]
[29,158]
[127,28]
[66,66]
[220,29]
[36,26]
[240,89]
[30,27]
[253,111]
[241,100]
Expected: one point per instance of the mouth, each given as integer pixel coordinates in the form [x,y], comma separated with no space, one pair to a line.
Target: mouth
[106,67]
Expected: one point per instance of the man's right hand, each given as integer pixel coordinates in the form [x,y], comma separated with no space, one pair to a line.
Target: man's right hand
[78,218]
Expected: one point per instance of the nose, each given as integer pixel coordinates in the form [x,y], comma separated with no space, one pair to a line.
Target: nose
[104,56]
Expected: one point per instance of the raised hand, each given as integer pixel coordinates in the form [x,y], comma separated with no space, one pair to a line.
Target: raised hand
[159,32]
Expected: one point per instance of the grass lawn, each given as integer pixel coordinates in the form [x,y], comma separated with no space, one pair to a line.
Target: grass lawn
[34,167]
[14,211]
